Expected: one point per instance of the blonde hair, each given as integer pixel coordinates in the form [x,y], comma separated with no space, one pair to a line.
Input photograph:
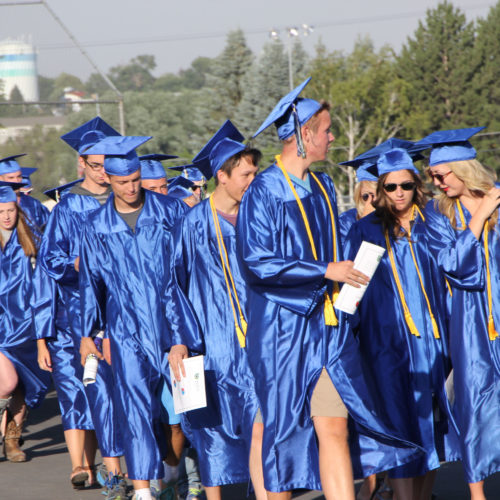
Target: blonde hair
[358,201]
[27,239]
[477,178]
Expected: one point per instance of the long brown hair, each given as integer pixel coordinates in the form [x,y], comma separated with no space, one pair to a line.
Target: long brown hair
[27,239]
[477,178]
[384,209]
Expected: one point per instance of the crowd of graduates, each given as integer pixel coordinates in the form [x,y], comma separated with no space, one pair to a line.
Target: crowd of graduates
[299,394]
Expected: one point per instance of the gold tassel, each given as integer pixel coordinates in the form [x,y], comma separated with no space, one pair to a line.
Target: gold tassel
[435,327]
[330,316]
[411,324]
[243,324]
[241,336]
[491,328]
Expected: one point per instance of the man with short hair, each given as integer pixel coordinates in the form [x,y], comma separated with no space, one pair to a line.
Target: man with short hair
[153,175]
[308,372]
[60,258]
[207,310]
[124,259]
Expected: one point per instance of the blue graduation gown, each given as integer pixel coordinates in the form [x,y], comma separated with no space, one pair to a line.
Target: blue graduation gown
[288,341]
[475,358]
[346,220]
[200,317]
[81,408]
[123,276]
[16,321]
[409,371]
[37,214]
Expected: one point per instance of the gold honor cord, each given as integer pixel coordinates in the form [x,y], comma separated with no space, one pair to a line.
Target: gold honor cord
[330,316]
[435,328]
[241,333]
[492,333]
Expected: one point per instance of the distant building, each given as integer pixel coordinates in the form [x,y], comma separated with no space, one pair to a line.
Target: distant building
[71,95]
[12,128]
[18,69]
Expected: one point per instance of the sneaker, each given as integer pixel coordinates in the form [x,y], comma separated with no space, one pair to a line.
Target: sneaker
[194,494]
[116,488]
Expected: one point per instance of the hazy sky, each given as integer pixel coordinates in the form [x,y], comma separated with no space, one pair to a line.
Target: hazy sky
[176,32]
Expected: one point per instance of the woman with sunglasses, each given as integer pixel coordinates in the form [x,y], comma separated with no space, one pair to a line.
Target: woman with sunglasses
[464,235]
[400,322]
[22,383]
[364,196]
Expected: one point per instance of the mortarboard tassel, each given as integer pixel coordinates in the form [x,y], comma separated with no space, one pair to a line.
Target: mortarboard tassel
[330,316]
[301,151]
[411,324]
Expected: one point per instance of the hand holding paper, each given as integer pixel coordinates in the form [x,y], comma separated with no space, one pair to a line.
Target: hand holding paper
[189,393]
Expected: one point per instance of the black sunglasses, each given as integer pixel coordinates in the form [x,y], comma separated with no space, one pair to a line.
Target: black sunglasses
[405,186]
[367,196]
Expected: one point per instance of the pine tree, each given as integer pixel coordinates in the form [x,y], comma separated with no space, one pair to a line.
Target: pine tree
[435,64]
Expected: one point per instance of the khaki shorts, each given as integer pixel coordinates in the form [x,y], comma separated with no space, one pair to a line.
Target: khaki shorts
[325,401]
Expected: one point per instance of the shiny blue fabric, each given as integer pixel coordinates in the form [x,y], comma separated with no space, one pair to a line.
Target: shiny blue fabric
[476,359]
[200,317]
[37,214]
[16,321]
[409,371]
[7,194]
[346,220]
[122,280]
[81,408]
[288,341]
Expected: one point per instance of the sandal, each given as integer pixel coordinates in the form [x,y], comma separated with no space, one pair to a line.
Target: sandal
[91,470]
[78,477]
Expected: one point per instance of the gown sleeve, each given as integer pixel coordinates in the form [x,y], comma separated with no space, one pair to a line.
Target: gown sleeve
[293,282]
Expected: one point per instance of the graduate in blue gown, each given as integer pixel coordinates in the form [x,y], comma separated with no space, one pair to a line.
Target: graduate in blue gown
[153,175]
[294,335]
[364,196]
[207,316]
[92,407]
[22,383]
[402,325]
[463,231]
[123,273]
[36,213]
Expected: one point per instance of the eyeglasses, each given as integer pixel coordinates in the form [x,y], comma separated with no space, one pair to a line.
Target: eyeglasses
[367,196]
[405,186]
[94,166]
[439,177]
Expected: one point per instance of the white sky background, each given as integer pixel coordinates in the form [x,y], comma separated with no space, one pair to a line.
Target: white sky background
[176,32]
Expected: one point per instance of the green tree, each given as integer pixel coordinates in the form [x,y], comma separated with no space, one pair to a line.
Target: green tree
[96,84]
[65,80]
[224,85]
[136,75]
[436,65]
[485,94]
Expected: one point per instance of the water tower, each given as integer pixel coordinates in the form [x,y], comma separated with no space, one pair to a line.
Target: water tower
[18,68]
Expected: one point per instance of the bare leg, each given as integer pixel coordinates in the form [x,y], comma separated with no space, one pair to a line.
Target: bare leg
[284,495]
[8,382]
[477,491]
[113,465]
[17,406]
[75,439]
[89,451]
[334,458]
[255,463]
[403,488]
[367,488]
[212,492]
[422,486]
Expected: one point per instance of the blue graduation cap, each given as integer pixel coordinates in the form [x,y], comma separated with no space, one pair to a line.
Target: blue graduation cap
[7,191]
[120,156]
[180,187]
[9,165]
[26,172]
[393,143]
[56,193]
[202,160]
[394,160]
[365,172]
[450,145]
[151,167]
[222,151]
[191,172]
[88,134]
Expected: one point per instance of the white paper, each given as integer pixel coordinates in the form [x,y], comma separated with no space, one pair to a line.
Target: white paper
[367,260]
[189,393]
